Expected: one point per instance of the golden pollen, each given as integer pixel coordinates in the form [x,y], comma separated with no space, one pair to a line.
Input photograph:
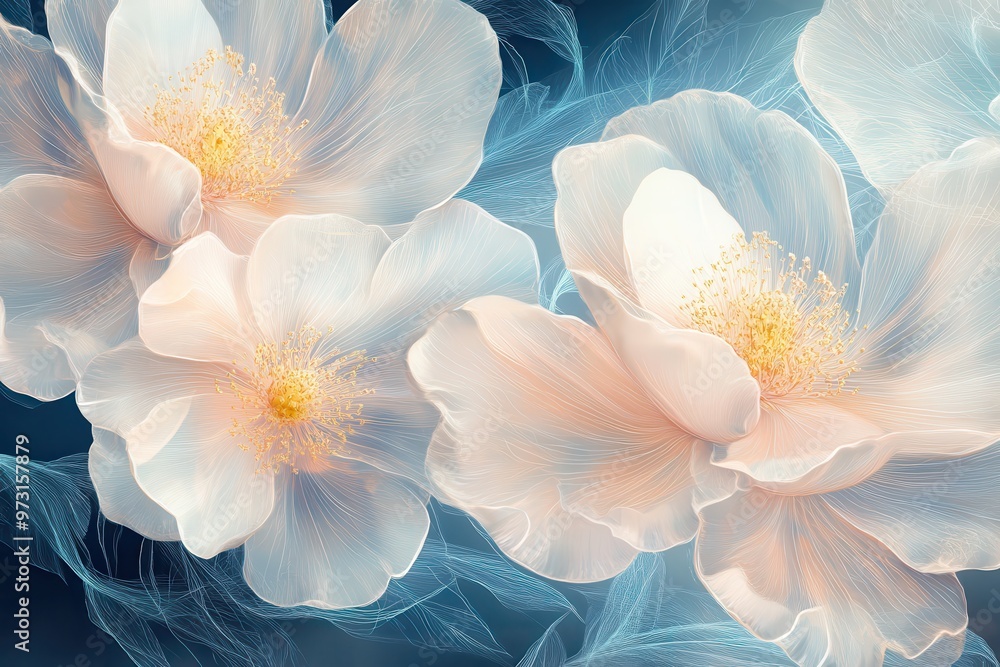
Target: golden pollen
[786,324]
[296,403]
[294,393]
[230,125]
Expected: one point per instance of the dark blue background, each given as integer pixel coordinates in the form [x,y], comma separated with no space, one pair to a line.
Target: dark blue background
[62,633]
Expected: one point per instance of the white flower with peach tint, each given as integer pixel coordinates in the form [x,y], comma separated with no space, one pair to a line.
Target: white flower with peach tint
[266,401]
[152,121]
[225,116]
[713,244]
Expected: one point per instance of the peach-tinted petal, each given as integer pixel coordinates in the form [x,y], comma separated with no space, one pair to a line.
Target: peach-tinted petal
[78,29]
[768,172]
[796,436]
[935,513]
[904,83]
[795,573]
[66,293]
[120,497]
[596,182]
[929,300]
[398,105]
[673,226]
[37,131]
[250,26]
[542,424]
[199,308]
[336,537]
[693,377]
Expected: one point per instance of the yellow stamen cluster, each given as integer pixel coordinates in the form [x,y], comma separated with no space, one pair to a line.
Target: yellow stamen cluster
[229,125]
[294,406]
[791,330]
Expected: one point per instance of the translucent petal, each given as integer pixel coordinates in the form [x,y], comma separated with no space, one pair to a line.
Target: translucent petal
[391,132]
[904,83]
[336,538]
[795,573]
[543,424]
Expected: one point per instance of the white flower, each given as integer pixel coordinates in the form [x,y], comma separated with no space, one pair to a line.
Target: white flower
[186,116]
[266,401]
[713,244]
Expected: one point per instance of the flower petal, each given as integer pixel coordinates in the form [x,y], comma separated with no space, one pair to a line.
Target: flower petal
[931,511]
[185,459]
[127,386]
[121,499]
[177,432]
[306,269]
[929,298]
[65,253]
[148,44]
[249,26]
[336,537]
[696,379]
[199,308]
[596,182]
[78,29]
[39,134]
[768,172]
[673,226]
[449,255]
[795,573]
[391,132]
[796,436]
[543,423]
[903,83]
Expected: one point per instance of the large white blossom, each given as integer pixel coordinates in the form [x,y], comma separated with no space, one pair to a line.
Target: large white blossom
[266,400]
[146,122]
[747,369]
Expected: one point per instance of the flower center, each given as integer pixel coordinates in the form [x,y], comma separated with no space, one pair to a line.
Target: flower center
[296,406]
[231,126]
[293,393]
[786,324]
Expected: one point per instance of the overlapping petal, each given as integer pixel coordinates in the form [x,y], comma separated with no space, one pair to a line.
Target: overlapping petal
[596,183]
[65,284]
[199,309]
[929,300]
[78,29]
[543,425]
[120,497]
[39,134]
[767,171]
[336,537]
[176,427]
[796,573]
[904,83]
[391,132]
[249,26]
[935,513]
